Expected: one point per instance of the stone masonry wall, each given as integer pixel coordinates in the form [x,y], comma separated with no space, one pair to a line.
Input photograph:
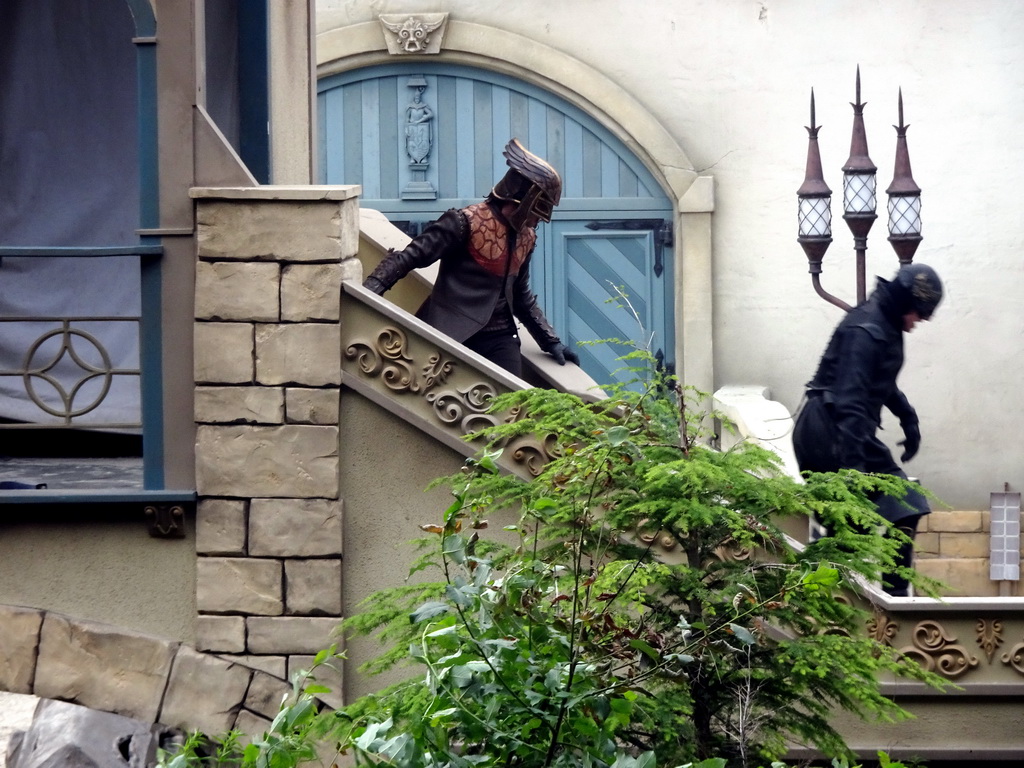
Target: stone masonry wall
[268,372]
[953,547]
[53,656]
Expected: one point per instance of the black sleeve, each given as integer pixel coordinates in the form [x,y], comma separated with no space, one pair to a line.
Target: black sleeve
[901,408]
[528,312]
[437,239]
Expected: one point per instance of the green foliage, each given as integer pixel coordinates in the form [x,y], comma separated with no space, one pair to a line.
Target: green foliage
[297,735]
[652,610]
[648,611]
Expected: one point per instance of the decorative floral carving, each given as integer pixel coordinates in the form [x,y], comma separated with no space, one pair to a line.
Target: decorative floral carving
[935,650]
[733,550]
[436,370]
[990,636]
[881,628]
[529,453]
[532,457]
[668,541]
[388,359]
[461,408]
[465,407]
[646,535]
[652,536]
[1015,658]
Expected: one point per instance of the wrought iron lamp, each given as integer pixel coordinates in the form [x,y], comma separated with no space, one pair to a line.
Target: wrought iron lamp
[904,199]
[859,202]
[859,192]
[815,210]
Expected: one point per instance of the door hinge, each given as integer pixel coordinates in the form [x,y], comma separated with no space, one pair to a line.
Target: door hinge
[660,228]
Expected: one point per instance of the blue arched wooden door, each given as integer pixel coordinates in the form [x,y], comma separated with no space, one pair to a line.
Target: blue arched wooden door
[612,230]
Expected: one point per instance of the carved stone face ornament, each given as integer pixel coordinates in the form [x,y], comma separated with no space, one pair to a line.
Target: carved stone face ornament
[413,33]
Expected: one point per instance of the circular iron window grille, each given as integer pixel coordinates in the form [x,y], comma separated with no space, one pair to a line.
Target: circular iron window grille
[44,371]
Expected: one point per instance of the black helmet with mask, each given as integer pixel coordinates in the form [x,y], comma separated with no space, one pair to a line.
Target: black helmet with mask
[530,184]
[920,289]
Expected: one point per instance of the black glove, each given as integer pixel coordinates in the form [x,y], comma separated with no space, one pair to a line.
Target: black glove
[373,284]
[561,353]
[911,441]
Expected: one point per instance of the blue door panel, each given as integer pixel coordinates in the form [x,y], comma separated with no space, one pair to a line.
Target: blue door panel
[581,295]
[589,321]
[474,113]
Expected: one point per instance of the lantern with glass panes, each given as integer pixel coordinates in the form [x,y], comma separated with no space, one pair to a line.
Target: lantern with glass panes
[859,202]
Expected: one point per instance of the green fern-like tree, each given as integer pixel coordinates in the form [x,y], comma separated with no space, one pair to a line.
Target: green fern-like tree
[652,611]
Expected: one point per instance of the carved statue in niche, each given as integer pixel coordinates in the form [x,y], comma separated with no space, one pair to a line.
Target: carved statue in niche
[419,140]
[418,115]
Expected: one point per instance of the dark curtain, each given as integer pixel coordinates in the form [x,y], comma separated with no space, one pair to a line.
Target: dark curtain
[68,177]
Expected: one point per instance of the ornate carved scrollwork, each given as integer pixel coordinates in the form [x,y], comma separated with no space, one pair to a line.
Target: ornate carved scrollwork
[734,551]
[465,407]
[990,636]
[461,408]
[937,651]
[1015,658]
[532,457]
[667,542]
[437,370]
[656,537]
[881,628]
[388,359]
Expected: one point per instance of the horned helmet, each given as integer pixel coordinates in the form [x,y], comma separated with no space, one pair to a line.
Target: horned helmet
[531,184]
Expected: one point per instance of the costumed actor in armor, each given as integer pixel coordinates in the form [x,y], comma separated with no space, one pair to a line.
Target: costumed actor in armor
[483,281]
[837,426]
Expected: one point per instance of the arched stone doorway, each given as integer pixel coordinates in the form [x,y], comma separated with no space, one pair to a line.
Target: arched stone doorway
[425,137]
[347,49]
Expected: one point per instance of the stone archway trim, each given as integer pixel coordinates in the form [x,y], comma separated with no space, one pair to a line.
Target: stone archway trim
[360,45]
[53,656]
[346,48]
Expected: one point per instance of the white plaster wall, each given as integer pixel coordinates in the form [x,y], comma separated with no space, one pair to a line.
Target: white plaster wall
[730,80]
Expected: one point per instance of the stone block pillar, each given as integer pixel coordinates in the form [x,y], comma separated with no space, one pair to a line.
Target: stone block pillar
[268,373]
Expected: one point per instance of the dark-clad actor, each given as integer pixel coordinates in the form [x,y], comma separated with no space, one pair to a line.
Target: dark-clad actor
[484,277]
[856,378]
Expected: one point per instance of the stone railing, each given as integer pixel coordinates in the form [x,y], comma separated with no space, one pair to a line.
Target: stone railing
[976,643]
[412,370]
[147,678]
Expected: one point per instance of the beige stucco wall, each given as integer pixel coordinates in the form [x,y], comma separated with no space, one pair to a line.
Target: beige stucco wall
[369,476]
[103,570]
[729,81]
